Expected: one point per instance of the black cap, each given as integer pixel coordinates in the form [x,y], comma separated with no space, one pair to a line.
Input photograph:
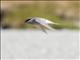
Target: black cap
[27,20]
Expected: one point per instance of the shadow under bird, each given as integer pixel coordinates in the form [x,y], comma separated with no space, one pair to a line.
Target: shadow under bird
[41,22]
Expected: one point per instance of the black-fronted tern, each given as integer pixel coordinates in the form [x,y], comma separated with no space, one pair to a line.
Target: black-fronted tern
[41,22]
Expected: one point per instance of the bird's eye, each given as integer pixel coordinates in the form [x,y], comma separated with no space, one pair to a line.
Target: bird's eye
[27,20]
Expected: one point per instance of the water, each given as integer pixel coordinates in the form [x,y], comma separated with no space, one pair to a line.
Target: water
[36,44]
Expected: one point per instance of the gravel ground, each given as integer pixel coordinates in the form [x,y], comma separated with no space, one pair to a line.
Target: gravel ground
[35,44]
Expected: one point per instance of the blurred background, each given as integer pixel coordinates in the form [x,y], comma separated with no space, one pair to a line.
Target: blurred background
[65,12]
[21,40]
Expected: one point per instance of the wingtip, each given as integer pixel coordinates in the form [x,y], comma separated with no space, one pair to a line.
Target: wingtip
[56,23]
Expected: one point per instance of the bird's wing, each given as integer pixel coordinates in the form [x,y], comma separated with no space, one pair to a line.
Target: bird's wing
[43,29]
[44,24]
[47,26]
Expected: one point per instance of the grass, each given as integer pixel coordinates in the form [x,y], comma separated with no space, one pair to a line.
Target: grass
[21,12]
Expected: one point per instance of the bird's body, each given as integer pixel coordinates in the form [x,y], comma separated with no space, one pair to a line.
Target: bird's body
[41,22]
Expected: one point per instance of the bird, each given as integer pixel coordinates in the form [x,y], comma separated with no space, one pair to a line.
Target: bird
[41,22]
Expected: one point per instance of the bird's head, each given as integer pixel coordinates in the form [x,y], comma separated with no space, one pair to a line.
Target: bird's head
[27,20]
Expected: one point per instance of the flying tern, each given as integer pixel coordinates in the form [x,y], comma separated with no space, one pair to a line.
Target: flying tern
[41,22]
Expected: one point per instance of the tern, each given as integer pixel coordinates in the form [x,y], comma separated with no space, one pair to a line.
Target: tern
[41,22]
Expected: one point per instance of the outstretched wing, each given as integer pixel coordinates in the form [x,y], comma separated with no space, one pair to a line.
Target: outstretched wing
[42,22]
[43,29]
[44,25]
[48,26]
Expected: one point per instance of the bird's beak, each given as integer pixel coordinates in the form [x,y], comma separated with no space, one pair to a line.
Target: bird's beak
[25,21]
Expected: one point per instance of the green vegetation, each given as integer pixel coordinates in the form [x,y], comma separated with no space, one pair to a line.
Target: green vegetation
[16,17]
